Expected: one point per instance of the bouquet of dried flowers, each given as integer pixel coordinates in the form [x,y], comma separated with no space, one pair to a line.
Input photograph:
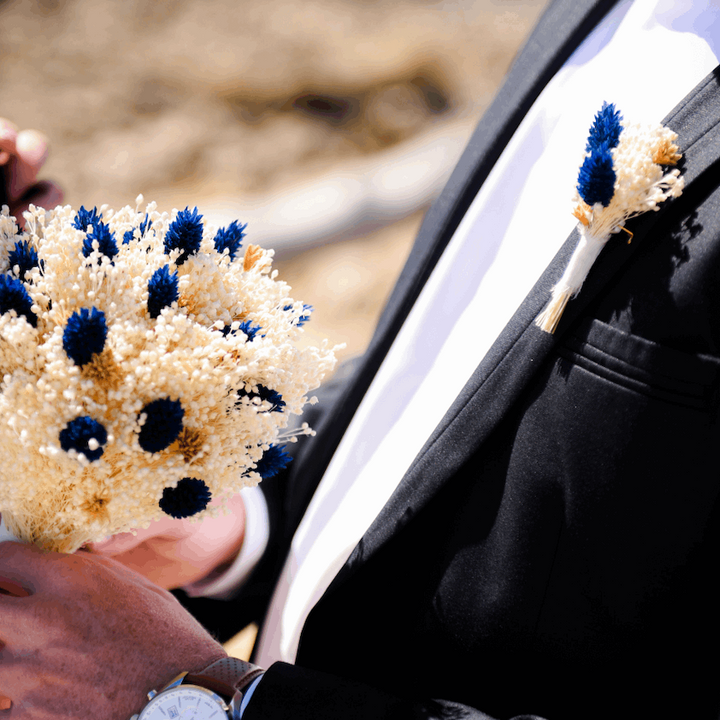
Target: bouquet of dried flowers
[148,364]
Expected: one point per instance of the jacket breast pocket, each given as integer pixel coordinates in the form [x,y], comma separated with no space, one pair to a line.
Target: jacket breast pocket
[644,366]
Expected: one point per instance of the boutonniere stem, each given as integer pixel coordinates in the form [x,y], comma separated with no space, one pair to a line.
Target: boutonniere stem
[625,172]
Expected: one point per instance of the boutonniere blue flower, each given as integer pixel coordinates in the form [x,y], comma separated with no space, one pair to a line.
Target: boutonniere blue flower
[625,172]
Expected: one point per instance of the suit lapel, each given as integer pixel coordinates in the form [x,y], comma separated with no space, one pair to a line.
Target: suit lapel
[560,30]
[522,347]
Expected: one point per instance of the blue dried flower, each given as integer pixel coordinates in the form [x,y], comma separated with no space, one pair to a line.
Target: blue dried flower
[605,129]
[189,497]
[105,239]
[77,435]
[246,326]
[274,460]
[230,238]
[596,180]
[84,218]
[305,317]
[162,290]
[14,296]
[184,233]
[271,396]
[130,234]
[264,393]
[24,256]
[250,329]
[162,424]
[85,335]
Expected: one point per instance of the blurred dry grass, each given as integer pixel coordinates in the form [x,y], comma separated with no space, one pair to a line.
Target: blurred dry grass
[187,101]
[176,98]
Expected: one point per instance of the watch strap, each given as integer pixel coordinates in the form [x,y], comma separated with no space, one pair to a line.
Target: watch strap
[225,676]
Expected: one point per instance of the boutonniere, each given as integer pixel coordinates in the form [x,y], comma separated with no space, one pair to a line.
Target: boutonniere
[624,173]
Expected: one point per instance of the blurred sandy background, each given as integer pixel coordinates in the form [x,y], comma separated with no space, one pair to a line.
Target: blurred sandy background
[327,125]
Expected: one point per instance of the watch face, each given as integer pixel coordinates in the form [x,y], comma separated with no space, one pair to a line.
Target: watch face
[185,702]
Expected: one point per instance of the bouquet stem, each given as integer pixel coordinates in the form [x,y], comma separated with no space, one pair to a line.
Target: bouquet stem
[66,541]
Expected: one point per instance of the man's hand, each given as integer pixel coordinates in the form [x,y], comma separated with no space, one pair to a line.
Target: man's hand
[81,636]
[173,553]
[22,155]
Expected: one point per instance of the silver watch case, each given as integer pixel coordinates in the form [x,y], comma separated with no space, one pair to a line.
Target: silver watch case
[232,711]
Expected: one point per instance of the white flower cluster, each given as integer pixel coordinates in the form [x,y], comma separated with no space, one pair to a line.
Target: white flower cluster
[642,181]
[139,377]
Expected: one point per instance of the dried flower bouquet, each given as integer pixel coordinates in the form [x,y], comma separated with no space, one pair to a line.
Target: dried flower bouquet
[147,365]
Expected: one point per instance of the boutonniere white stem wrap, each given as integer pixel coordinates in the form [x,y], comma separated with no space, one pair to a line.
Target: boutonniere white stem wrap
[624,173]
[148,364]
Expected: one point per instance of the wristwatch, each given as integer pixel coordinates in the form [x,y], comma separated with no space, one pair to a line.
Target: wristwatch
[200,695]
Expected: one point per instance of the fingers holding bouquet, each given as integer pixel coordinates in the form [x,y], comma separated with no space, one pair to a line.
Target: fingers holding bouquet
[173,553]
[22,155]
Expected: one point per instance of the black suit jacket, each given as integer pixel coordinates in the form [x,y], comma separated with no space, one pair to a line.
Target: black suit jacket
[553,548]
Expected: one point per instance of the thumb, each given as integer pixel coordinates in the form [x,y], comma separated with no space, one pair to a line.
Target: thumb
[123,542]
